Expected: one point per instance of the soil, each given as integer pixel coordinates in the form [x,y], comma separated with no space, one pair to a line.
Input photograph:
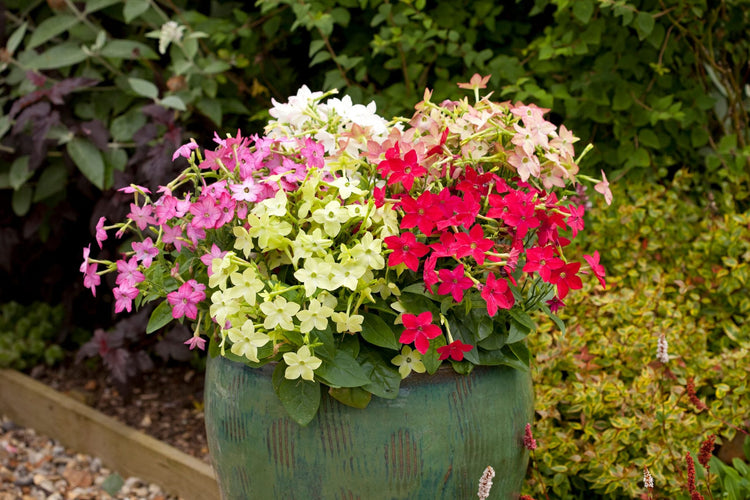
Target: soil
[166,403]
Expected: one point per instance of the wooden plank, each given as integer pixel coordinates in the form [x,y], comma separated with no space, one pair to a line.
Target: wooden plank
[32,404]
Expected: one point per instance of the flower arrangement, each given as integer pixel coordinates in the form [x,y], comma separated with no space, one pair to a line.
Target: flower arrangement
[352,250]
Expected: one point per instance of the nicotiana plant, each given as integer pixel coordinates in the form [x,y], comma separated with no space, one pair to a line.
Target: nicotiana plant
[352,250]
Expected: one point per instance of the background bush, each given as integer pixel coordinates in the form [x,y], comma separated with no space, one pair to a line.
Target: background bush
[606,406]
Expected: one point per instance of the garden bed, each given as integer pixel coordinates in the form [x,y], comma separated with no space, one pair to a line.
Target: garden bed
[130,452]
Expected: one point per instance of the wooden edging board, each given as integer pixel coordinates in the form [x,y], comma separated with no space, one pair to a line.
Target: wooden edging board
[30,403]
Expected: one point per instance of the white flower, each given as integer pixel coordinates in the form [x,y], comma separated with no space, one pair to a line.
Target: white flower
[485,483]
[648,480]
[662,349]
[170,32]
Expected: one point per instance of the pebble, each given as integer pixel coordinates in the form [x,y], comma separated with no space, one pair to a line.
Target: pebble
[36,467]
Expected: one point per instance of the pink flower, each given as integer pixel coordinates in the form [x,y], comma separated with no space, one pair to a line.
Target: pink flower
[145,251]
[196,341]
[215,253]
[603,188]
[128,273]
[134,188]
[313,152]
[86,253]
[141,215]
[101,234]
[172,235]
[596,268]
[91,279]
[248,190]
[528,439]
[185,300]
[473,243]
[205,213]
[124,296]
[566,278]
[184,150]
[419,329]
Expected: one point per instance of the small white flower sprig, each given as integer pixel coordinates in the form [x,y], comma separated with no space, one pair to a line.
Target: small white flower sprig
[311,245]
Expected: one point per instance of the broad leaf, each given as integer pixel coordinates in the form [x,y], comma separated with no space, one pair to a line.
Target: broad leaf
[343,371]
[127,49]
[52,181]
[21,201]
[431,359]
[460,332]
[521,352]
[377,332]
[133,9]
[88,159]
[50,28]
[144,88]
[161,315]
[211,108]
[65,54]
[351,396]
[385,380]
[300,398]
[125,126]
[174,102]
[94,5]
[15,39]
[19,172]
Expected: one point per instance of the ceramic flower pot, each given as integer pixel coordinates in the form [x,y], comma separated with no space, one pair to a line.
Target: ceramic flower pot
[433,441]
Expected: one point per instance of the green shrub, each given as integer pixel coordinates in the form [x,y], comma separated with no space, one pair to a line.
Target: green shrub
[606,407]
[28,335]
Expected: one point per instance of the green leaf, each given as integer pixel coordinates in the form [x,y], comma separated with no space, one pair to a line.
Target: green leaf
[315,46]
[300,398]
[583,10]
[52,181]
[88,159]
[65,54]
[94,5]
[127,49]
[431,359]
[15,39]
[21,201]
[19,172]
[522,318]
[645,24]
[639,158]
[50,28]
[211,108]
[112,484]
[125,126]
[521,351]
[216,66]
[4,125]
[462,333]
[143,88]
[647,137]
[343,371]
[355,397]
[384,380]
[161,315]
[133,9]
[174,102]
[377,332]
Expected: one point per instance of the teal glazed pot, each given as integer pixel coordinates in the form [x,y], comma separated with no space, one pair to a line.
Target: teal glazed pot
[433,441]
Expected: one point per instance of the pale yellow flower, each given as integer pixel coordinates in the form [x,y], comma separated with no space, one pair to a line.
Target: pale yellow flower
[408,361]
[301,364]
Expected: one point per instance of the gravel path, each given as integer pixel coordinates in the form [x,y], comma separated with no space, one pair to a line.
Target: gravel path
[36,467]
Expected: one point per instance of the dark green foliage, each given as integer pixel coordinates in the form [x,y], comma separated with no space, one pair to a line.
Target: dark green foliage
[29,335]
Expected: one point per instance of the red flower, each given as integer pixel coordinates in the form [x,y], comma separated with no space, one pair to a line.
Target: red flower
[455,350]
[398,170]
[454,282]
[497,294]
[419,329]
[543,261]
[596,268]
[421,213]
[406,249]
[566,278]
[473,243]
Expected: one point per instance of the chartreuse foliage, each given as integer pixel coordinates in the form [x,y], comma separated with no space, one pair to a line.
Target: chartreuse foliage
[606,407]
[28,335]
